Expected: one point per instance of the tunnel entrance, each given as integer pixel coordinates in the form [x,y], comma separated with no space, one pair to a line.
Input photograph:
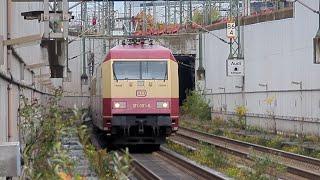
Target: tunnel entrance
[186,74]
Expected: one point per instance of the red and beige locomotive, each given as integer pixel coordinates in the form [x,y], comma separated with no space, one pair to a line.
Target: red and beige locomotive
[135,94]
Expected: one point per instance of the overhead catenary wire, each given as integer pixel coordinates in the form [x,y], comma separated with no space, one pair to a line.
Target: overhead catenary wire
[211,33]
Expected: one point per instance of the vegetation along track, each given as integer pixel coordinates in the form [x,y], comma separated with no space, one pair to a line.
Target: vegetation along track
[302,166]
[165,164]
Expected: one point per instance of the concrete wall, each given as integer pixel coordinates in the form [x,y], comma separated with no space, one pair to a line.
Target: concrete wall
[29,54]
[276,53]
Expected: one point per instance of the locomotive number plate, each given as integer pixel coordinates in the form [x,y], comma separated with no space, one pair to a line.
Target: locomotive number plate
[141,105]
[141,93]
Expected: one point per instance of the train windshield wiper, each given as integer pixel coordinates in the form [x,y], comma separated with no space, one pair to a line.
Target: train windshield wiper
[165,75]
[114,73]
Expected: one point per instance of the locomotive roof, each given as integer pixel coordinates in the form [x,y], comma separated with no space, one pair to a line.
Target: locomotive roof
[139,52]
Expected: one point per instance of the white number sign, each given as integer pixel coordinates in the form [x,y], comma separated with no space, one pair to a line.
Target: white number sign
[231,30]
[235,67]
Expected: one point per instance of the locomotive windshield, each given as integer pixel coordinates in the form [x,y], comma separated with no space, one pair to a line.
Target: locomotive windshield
[140,70]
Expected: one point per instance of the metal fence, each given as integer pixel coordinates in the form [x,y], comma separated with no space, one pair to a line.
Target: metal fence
[296,111]
[293,104]
[268,6]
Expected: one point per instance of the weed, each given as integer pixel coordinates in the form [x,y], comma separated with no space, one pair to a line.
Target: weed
[315,154]
[263,165]
[218,122]
[254,139]
[236,173]
[211,157]
[293,149]
[42,129]
[239,124]
[259,136]
[106,165]
[205,154]
[196,106]
[241,112]
[275,142]
[312,138]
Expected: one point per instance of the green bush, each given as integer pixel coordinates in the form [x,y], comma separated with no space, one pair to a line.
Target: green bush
[275,142]
[41,131]
[196,106]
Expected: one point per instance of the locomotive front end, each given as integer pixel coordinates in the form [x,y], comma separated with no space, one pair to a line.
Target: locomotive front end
[140,90]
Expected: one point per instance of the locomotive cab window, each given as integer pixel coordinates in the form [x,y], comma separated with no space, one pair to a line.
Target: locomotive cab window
[140,70]
[126,70]
[154,70]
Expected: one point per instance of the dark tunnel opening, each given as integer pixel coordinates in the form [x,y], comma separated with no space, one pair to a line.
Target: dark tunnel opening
[186,74]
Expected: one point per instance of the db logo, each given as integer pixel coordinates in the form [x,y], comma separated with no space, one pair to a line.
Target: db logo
[141,93]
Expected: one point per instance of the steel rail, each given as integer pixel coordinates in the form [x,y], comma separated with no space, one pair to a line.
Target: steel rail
[291,169]
[181,163]
[188,165]
[142,172]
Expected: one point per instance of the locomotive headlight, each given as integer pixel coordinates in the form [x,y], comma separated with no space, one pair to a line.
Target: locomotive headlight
[165,105]
[162,105]
[118,105]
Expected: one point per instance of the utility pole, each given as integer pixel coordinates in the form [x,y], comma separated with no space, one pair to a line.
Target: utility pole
[84,76]
[235,42]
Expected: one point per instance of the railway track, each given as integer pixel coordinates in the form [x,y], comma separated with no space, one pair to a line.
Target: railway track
[299,165]
[165,164]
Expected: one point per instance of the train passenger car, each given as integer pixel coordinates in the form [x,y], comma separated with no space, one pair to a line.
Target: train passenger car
[135,94]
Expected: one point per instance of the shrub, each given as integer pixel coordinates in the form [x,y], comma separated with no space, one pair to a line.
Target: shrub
[241,113]
[41,131]
[218,122]
[275,142]
[240,124]
[315,154]
[196,106]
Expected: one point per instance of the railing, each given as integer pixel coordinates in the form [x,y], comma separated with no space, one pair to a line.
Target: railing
[263,7]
